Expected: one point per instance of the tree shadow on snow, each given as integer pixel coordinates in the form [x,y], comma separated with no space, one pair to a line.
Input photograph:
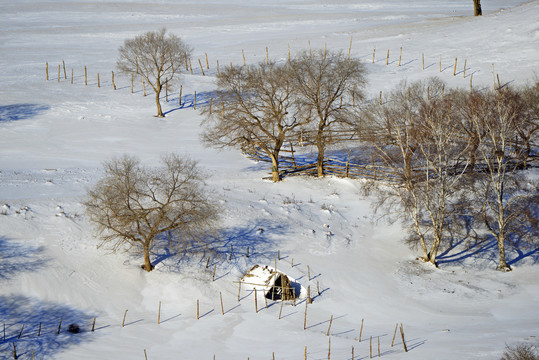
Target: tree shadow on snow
[236,247]
[18,310]
[16,112]
[188,101]
[16,258]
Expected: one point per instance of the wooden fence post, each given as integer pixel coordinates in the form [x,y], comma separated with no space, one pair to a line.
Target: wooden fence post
[113,84]
[329,327]
[93,324]
[180,101]
[361,330]
[222,308]
[85,76]
[47,70]
[98,82]
[402,336]
[201,68]
[159,314]
[123,321]
[207,63]
[400,56]
[64,66]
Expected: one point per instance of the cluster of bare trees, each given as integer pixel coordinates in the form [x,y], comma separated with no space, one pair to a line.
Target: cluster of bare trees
[263,106]
[452,154]
[458,156]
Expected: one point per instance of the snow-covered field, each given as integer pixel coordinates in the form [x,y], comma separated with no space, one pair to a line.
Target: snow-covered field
[55,135]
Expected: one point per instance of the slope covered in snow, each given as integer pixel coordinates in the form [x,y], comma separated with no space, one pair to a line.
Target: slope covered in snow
[54,136]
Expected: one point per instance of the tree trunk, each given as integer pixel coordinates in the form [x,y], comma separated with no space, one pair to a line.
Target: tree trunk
[503,266]
[147,263]
[477,8]
[275,167]
[159,110]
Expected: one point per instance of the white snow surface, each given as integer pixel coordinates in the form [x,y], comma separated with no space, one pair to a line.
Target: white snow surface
[55,135]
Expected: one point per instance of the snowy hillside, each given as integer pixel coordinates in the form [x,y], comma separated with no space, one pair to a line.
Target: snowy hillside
[54,136]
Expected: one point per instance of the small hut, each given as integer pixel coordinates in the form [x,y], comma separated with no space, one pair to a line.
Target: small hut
[274,284]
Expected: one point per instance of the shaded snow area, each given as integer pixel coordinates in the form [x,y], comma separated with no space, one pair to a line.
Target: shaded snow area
[321,233]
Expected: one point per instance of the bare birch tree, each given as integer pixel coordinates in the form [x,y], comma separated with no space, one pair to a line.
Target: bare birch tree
[417,139]
[501,187]
[327,85]
[132,204]
[156,57]
[254,110]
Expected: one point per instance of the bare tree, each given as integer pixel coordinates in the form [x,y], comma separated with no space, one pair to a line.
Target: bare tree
[156,57]
[327,85]
[255,110]
[502,187]
[132,204]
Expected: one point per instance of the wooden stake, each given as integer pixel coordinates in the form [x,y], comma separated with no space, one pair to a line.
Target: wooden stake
[370,349]
[85,76]
[47,70]
[38,331]
[198,309]
[159,314]
[329,348]
[143,87]
[113,84]
[132,82]
[440,63]
[352,353]
[471,79]
[214,270]
[464,70]
[318,287]
[350,49]
[305,352]
[15,351]
[373,54]
[499,84]
[281,310]
[72,76]
[201,68]
[247,246]
[455,68]
[329,327]
[309,272]
[288,52]
[136,61]
[207,63]
[20,334]
[59,326]
[218,73]
[64,66]
[231,251]
[145,355]
[400,57]
[394,333]
[222,307]
[256,302]
[123,321]
[58,72]
[186,64]
[190,66]
[279,255]
[309,299]
[387,58]
[361,330]
[243,55]
[292,259]
[239,290]
[305,317]
[180,101]
[33,355]
[403,342]
[267,56]
[380,97]
[93,324]
[208,262]
[98,82]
